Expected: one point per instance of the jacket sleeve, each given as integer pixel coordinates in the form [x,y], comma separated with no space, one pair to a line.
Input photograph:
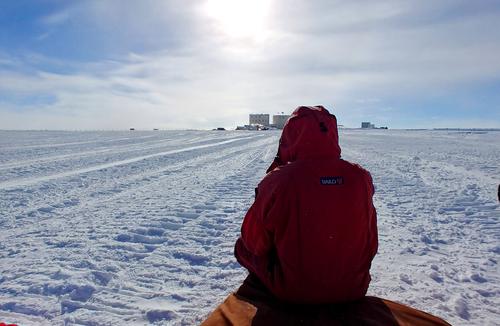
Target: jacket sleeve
[372,223]
[254,248]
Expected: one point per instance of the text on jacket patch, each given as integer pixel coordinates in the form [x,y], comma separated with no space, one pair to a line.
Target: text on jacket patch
[331,181]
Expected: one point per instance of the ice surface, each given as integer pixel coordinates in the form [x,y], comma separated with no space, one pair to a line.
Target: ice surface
[138,227]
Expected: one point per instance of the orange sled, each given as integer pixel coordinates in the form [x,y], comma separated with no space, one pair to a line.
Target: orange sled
[253,305]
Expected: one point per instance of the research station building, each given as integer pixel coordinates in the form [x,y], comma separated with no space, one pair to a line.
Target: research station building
[259,119]
[367,125]
[279,120]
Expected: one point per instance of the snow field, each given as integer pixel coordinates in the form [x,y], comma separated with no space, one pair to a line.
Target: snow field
[439,227]
[100,228]
[140,242]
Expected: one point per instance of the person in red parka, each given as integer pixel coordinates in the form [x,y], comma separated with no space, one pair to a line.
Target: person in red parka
[311,234]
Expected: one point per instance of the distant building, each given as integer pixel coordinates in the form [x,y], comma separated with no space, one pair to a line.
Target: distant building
[367,125]
[279,120]
[259,119]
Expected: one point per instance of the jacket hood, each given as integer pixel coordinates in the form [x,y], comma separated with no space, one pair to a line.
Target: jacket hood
[310,132]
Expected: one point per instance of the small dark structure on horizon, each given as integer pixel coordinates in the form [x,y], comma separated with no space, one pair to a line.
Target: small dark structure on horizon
[367,125]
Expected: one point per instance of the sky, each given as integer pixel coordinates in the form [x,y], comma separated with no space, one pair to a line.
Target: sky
[186,64]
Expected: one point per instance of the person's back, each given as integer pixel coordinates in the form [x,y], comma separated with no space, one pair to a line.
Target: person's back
[311,233]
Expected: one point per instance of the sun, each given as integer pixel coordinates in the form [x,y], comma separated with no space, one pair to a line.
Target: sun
[240,18]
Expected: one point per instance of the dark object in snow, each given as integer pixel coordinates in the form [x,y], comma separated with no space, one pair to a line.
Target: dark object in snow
[132,128]
[253,305]
[498,193]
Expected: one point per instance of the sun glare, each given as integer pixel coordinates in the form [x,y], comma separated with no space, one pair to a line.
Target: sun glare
[240,18]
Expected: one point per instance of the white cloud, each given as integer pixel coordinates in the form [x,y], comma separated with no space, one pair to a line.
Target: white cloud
[353,55]
[56,18]
[149,91]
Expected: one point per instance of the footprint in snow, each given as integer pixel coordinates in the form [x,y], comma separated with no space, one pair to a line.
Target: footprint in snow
[192,258]
[152,231]
[405,278]
[188,215]
[436,277]
[139,238]
[160,315]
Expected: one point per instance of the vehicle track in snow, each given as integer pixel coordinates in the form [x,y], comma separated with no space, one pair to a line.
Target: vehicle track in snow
[42,164]
[97,252]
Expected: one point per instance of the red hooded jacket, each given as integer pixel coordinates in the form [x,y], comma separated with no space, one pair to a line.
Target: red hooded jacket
[311,234]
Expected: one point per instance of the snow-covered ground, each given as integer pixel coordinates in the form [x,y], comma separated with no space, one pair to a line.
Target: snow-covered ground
[103,228]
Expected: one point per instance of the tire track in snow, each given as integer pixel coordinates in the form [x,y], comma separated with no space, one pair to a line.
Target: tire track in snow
[124,279]
[79,155]
[42,158]
[38,146]
[30,181]
[85,192]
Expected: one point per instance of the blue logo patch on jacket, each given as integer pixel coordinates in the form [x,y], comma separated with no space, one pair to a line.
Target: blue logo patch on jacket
[331,181]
